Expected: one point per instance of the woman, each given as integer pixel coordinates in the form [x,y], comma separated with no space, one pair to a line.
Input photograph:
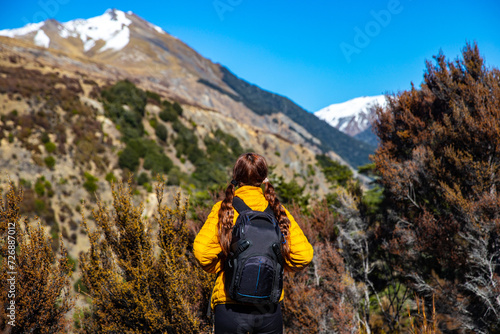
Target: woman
[212,246]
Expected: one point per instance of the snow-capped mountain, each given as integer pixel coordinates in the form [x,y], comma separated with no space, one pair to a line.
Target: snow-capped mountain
[354,116]
[126,41]
[112,28]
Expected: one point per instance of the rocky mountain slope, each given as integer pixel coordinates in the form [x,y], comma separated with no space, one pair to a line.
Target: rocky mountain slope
[164,64]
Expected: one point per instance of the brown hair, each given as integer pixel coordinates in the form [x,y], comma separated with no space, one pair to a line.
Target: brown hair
[251,170]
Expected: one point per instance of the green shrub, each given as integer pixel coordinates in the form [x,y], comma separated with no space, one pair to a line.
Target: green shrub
[231,142]
[50,161]
[142,178]
[125,92]
[40,187]
[175,176]
[168,114]
[148,187]
[48,187]
[128,121]
[335,173]
[110,177]
[139,145]
[50,147]
[129,159]
[161,132]
[153,96]
[177,108]
[157,162]
[209,173]
[90,183]
[187,143]
[153,122]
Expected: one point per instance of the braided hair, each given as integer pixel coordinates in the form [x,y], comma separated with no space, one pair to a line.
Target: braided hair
[251,169]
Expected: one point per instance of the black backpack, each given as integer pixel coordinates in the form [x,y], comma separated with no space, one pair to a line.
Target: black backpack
[254,268]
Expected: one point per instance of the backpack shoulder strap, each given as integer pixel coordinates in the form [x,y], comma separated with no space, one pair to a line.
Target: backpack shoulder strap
[240,205]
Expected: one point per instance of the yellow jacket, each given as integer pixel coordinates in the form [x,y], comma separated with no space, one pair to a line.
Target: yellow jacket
[206,244]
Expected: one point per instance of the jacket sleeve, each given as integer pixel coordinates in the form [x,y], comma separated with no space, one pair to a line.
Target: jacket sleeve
[206,247]
[301,251]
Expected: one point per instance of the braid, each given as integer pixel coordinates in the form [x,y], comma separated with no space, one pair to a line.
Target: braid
[226,216]
[281,217]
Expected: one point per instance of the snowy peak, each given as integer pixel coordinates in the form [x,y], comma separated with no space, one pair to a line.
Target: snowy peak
[112,27]
[110,31]
[354,116]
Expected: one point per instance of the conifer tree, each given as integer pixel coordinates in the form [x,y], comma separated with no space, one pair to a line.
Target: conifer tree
[439,160]
[35,282]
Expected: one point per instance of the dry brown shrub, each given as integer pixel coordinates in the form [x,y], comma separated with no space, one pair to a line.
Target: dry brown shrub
[39,299]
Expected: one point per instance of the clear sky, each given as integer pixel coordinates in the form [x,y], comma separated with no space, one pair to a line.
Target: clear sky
[317,52]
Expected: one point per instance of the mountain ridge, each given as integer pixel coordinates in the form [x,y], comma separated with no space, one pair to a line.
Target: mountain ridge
[165,63]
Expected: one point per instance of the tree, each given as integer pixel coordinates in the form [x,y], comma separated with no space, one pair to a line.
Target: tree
[37,298]
[141,274]
[439,161]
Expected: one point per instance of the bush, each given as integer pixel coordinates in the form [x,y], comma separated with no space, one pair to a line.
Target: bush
[90,183]
[125,92]
[143,178]
[42,279]
[153,122]
[175,176]
[139,146]
[129,121]
[157,162]
[438,162]
[158,279]
[153,97]
[129,159]
[110,177]
[50,162]
[335,173]
[50,147]
[40,187]
[168,114]
[161,132]
[177,108]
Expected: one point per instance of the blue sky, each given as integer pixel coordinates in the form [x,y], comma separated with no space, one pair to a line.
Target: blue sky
[316,53]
